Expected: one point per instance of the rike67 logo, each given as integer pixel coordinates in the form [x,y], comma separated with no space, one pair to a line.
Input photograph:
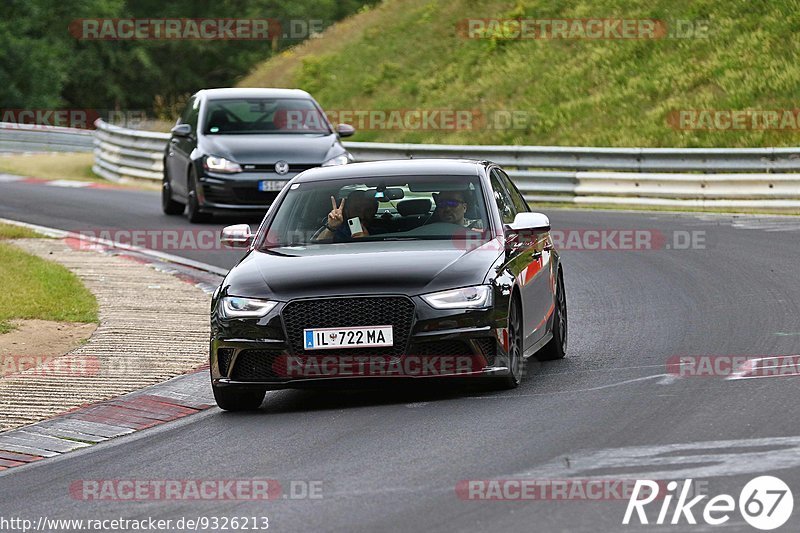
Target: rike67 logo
[765,503]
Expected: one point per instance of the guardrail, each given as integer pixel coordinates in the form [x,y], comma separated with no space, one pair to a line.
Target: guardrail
[678,177]
[34,138]
[124,153]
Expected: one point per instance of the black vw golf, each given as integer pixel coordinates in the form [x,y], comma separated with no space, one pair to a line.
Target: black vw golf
[396,269]
[235,149]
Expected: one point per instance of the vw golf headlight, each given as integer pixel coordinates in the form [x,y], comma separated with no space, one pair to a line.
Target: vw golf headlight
[220,164]
[476,297]
[235,307]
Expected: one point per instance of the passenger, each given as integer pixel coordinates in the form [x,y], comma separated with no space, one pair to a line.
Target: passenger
[359,205]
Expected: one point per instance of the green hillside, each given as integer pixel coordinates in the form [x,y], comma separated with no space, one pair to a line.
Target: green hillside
[411,55]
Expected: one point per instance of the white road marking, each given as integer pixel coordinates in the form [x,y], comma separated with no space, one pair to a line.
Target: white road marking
[668,379]
[676,461]
[593,370]
[746,371]
[767,224]
[69,183]
[571,391]
[60,234]
[9,178]
[752,222]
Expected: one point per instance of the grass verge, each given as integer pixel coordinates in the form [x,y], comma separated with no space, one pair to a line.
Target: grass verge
[69,166]
[9,231]
[39,289]
[415,55]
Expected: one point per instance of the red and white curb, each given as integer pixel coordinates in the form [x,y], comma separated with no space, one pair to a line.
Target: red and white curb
[72,184]
[154,405]
[201,270]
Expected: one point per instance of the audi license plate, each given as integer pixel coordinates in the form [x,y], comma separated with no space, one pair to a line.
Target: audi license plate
[356,337]
[270,185]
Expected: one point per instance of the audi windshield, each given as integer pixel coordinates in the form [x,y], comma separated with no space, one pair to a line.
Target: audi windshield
[378,209]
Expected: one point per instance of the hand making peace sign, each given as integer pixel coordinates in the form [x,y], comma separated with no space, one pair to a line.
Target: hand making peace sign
[336,216]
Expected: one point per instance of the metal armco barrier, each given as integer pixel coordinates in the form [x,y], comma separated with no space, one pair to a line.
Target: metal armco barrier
[34,138]
[677,177]
[125,153]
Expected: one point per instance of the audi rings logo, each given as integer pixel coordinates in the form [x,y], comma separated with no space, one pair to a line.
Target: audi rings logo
[281,167]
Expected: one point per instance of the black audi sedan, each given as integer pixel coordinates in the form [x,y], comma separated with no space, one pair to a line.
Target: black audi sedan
[396,269]
[235,149]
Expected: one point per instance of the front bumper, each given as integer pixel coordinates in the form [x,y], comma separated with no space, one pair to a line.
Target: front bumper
[344,381]
[239,192]
[441,344]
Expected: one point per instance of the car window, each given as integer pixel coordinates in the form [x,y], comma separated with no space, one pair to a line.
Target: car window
[231,116]
[191,113]
[187,111]
[504,203]
[520,205]
[391,208]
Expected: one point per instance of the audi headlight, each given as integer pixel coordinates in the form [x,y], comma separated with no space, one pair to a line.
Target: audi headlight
[220,164]
[341,159]
[476,297]
[235,307]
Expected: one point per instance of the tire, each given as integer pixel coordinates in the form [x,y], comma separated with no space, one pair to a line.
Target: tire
[193,212]
[235,399]
[557,347]
[168,205]
[516,363]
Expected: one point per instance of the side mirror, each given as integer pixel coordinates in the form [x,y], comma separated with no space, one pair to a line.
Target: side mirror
[236,236]
[181,130]
[345,130]
[532,222]
[527,231]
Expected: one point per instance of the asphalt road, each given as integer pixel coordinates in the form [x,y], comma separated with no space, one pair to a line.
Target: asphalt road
[391,459]
[124,215]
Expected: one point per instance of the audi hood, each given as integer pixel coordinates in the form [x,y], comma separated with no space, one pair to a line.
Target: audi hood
[409,267]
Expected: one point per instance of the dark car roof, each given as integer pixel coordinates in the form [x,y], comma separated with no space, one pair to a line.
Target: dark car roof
[394,167]
[217,94]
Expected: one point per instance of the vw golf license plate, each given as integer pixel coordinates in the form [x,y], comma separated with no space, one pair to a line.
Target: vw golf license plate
[270,185]
[357,337]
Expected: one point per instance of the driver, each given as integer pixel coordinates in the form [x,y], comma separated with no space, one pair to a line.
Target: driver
[451,206]
[359,204]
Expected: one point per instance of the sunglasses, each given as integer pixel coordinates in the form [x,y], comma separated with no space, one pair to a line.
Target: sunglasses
[450,203]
